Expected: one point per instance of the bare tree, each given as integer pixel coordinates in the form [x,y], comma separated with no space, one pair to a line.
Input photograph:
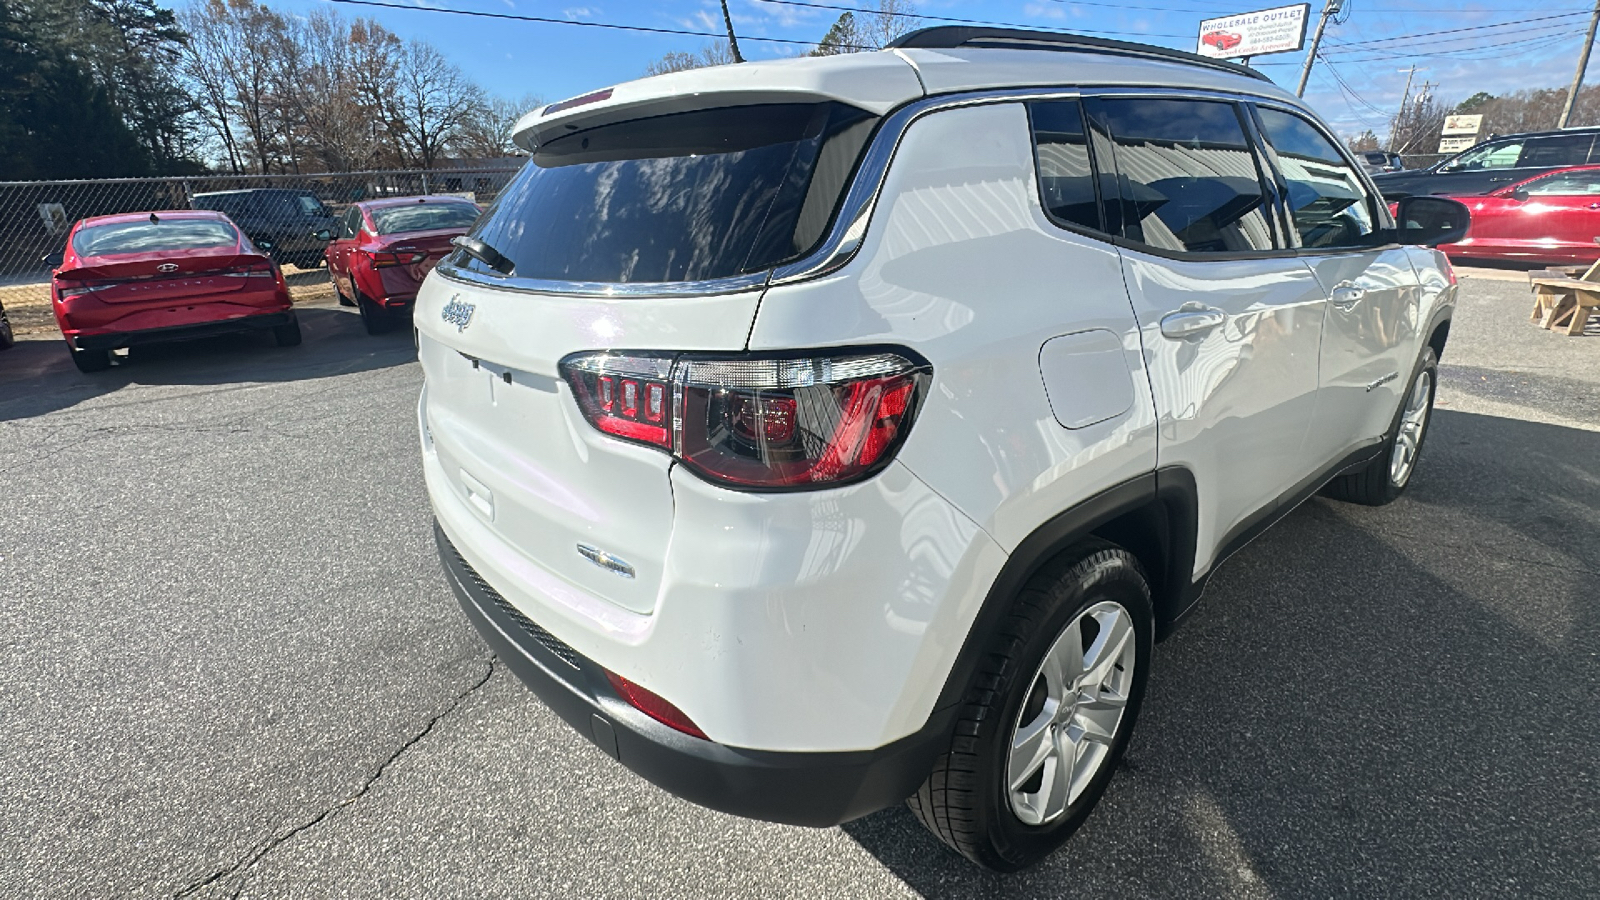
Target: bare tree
[433,101]
[486,133]
[713,53]
[892,19]
[1366,140]
[230,58]
[374,69]
[1417,128]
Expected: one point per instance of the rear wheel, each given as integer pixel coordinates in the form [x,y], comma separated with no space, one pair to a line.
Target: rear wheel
[7,338]
[91,360]
[375,317]
[1047,715]
[287,334]
[1385,478]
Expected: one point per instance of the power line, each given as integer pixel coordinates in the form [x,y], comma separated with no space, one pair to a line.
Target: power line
[1410,37]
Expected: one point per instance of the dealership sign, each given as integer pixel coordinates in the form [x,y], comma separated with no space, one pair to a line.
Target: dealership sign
[1278,30]
[1462,124]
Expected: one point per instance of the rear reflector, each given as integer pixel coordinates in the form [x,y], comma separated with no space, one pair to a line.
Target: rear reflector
[654,706]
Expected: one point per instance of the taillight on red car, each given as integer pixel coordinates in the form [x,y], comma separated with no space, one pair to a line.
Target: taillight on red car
[756,423]
[382,259]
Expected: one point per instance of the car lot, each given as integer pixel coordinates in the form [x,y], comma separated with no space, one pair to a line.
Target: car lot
[232,666]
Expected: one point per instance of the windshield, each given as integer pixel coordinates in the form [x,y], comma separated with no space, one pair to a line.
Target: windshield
[684,197]
[145,237]
[424,217]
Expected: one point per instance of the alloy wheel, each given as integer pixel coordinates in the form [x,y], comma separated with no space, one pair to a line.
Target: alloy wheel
[1408,440]
[1069,720]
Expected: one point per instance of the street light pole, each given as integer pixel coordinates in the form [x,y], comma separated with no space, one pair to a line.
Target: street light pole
[1583,63]
[1328,12]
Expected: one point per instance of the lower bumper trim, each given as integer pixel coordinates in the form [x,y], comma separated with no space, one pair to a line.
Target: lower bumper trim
[118,340]
[818,789]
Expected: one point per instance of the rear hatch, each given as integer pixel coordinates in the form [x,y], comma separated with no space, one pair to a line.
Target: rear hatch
[650,234]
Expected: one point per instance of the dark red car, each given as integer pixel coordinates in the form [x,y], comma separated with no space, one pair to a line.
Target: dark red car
[384,248]
[1551,219]
[140,278]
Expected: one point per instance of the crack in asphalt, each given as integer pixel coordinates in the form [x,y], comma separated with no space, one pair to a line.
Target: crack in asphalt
[259,851]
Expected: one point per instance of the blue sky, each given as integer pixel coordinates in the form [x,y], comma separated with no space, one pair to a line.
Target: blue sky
[1369,51]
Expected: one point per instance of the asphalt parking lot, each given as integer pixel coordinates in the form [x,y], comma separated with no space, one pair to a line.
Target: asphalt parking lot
[231,666]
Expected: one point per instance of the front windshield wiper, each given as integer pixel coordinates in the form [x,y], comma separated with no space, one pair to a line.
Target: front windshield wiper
[485,254]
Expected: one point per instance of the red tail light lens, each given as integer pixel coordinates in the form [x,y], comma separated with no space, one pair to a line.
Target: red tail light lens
[654,706]
[765,424]
[624,395]
[381,260]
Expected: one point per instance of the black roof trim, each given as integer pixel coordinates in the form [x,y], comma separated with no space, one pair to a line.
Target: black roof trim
[948,37]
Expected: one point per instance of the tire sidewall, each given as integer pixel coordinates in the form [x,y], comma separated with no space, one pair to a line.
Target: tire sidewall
[1102,576]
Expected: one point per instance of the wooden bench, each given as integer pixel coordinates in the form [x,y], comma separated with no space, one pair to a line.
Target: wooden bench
[1562,300]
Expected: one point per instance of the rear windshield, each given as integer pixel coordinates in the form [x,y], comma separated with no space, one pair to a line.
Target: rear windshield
[683,197]
[144,237]
[424,217]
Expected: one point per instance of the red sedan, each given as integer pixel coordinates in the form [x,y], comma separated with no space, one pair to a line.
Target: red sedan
[1551,219]
[384,248]
[1222,40]
[146,277]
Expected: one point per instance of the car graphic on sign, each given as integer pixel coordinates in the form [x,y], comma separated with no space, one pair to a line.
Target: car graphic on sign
[1222,40]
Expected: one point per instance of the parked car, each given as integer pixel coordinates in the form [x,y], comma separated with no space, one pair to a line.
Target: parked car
[1222,40]
[142,278]
[287,220]
[1379,161]
[383,249]
[812,455]
[1496,163]
[7,337]
[1552,219]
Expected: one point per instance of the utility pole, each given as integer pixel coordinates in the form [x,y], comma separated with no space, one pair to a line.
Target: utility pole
[1328,12]
[1583,63]
[1394,128]
[733,42]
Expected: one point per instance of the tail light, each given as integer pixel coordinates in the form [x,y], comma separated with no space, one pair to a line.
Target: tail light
[763,424]
[71,290]
[263,269]
[383,259]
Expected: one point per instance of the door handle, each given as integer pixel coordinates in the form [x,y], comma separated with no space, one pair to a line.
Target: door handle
[1346,296]
[1190,320]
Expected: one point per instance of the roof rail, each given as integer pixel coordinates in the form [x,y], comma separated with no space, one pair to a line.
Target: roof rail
[948,37]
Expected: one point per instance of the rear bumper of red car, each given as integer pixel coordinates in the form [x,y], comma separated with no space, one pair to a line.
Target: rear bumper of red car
[117,340]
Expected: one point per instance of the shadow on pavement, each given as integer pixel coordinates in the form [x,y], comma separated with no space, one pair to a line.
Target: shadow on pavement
[1401,701]
[38,377]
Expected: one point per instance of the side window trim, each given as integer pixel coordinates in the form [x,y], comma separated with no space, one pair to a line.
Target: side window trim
[1103,232]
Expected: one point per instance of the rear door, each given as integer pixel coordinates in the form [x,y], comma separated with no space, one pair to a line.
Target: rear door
[1230,317]
[650,235]
[1369,338]
[1562,212]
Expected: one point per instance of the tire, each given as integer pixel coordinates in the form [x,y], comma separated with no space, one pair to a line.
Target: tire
[287,334]
[91,360]
[7,337]
[967,800]
[1382,480]
[375,317]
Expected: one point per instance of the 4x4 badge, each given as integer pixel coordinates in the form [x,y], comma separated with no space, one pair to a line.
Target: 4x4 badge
[457,313]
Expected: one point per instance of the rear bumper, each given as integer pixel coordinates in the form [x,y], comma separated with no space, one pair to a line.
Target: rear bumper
[119,339]
[810,788]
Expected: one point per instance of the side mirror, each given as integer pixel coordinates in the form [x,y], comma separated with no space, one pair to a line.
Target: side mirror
[54,260]
[1431,221]
[322,234]
[1520,195]
[263,244]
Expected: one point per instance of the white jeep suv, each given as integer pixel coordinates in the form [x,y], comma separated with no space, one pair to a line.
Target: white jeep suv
[817,434]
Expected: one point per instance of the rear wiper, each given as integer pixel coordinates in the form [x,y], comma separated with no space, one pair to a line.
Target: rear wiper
[485,254]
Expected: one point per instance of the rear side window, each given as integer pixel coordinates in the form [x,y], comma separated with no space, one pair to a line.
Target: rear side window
[1061,153]
[1486,156]
[144,237]
[423,217]
[684,197]
[1186,175]
[1559,150]
[1329,206]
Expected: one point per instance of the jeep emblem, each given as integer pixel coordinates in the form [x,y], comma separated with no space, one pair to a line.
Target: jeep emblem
[457,313]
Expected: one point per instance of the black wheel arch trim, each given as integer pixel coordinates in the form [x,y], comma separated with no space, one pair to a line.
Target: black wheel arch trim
[1164,500]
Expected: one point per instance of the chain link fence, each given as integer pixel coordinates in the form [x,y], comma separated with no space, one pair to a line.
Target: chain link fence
[282,210]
